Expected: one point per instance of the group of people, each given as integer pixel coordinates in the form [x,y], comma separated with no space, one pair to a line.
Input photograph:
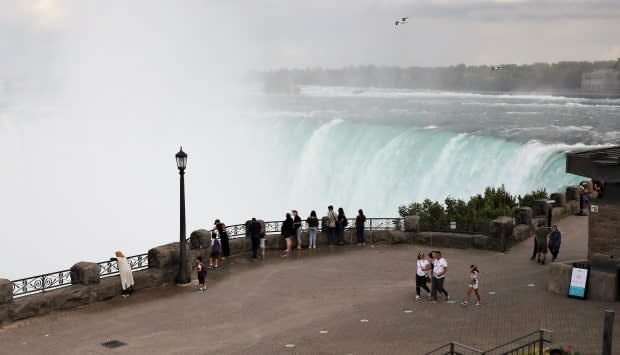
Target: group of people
[546,238]
[437,266]
[336,225]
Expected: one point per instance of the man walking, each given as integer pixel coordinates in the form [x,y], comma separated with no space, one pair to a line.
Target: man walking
[440,268]
[254,229]
[555,239]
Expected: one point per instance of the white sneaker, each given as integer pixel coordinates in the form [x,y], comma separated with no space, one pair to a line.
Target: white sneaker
[477,303]
[417,298]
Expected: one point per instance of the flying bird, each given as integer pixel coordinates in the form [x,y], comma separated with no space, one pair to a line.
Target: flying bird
[402,21]
[497,67]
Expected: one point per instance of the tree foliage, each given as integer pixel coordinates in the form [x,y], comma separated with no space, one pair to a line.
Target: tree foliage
[537,76]
[471,216]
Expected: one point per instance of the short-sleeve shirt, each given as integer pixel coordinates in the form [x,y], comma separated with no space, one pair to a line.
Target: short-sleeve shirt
[438,267]
[422,264]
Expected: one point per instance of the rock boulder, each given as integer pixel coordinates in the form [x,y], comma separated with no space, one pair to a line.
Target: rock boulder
[85,273]
[6,291]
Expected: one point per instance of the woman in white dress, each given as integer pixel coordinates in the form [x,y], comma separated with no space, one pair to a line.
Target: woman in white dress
[125,272]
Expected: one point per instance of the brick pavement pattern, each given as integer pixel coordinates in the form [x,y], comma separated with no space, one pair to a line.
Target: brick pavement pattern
[259,308]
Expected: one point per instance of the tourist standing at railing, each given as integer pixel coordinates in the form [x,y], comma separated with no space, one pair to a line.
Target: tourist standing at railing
[421,275]
[221,230]
[359,227]
[124,270]
[254,229]
[341,225]
[313,227]
[287,232]
[331,225]
[440,268]
[297,227]
[216,251]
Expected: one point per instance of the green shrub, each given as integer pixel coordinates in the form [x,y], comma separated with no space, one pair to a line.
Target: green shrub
[471,216]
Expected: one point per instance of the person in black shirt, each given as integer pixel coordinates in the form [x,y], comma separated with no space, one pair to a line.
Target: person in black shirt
[313,227]
[359,227]
[297,227]
[341,225]
[221,230]
[287,232]
[254,229]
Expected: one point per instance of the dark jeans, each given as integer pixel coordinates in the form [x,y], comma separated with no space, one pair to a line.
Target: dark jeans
[340,234]
[255,244]
[360,233]
[331,235]
[225,245]
[437,286]
[420,282]
[554,251]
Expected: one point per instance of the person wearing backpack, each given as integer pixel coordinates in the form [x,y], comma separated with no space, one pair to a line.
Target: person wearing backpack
[359,227]
[341,225]
[215,251]
[221,230]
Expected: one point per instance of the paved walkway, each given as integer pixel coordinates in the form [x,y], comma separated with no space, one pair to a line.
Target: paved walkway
[259,308]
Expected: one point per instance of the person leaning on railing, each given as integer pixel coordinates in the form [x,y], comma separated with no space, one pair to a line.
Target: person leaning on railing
[221,230]
[125,273]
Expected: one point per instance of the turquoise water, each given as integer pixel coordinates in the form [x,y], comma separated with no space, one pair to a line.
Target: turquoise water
[82,179]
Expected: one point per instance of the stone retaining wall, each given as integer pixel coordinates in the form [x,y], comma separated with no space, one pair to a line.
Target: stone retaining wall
[88,287]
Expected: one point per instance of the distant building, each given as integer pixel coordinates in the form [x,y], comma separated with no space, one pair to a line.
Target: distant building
[601,80]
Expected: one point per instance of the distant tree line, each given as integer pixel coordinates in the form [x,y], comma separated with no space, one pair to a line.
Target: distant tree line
[538,76]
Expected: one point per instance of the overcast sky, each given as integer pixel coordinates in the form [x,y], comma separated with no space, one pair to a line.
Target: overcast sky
[269,34]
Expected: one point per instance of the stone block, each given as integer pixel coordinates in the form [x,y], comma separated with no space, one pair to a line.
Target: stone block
[239,245]
[500,232]
[412,223]
[30,306]
[524,215]
[6,291]
[274,241]
[85,273]
[480,242]
[398,237]
[602,286]
[572,193]
[164,256]
[521,232]
[422,238]
[380,236]
[559,278]
[559,198]
[70,297]
[110,287]
[4,314]
[200,239]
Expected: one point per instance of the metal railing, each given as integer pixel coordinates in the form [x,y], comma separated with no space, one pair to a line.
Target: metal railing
[60,279]
[530,344]
[274,227]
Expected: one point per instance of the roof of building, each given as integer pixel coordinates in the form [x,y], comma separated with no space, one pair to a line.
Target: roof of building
[599,163]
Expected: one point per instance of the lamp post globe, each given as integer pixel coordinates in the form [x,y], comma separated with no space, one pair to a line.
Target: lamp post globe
[183,276]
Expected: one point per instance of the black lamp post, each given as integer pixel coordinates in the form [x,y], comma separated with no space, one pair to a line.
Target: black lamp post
[183,276]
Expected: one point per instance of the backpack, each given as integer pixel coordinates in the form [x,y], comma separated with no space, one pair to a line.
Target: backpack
[216,245]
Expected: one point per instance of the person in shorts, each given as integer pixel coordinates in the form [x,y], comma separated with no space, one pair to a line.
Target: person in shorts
[201,269]
[216,250]
[472,285]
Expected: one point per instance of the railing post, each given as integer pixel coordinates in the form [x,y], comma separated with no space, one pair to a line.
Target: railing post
[43,283]
[451,348]
[541,340]
[608,327]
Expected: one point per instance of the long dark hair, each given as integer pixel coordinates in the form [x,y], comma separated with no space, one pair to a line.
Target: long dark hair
[474,268]
[288,216]
[361,212]
[340,211]
[313,214]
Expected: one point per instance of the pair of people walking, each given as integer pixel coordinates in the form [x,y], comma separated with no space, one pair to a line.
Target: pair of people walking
[547,239]
[438,267]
